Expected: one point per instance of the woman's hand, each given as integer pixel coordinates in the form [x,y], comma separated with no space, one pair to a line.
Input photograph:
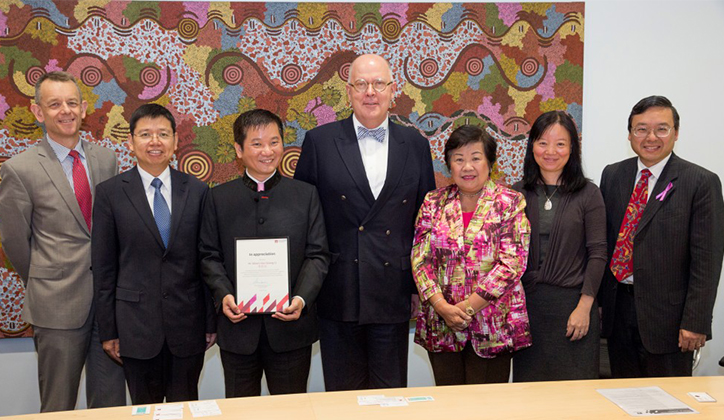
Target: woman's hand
[580,319]
[454,316]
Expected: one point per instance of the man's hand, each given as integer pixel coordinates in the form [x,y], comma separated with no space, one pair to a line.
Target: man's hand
[113,349]
[231,310]
[690,341]
[291,312]
[210,340]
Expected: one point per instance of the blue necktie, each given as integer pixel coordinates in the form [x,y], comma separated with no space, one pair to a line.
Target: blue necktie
[377,134]
[161,212]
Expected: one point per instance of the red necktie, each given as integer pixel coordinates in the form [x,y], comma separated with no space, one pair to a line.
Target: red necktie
[622,260]
[82,188]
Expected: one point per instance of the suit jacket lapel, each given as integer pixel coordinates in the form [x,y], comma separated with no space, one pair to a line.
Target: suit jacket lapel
[349,151]
[133,188]
[668,175]
[51,165]
[179,193]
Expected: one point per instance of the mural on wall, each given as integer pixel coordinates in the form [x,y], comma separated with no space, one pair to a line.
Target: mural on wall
[499,65]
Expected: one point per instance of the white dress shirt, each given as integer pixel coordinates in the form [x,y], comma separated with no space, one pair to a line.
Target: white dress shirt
[374,156]
[165,178]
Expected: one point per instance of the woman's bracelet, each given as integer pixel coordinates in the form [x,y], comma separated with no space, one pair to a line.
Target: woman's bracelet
[436,301]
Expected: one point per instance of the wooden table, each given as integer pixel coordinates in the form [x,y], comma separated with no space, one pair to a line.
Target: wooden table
[540,400]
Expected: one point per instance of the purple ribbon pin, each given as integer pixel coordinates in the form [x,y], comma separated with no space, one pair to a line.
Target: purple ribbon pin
[662,194]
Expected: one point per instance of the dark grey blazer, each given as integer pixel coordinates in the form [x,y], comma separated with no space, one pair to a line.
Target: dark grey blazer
[146,294]
[677,251]
[370,278]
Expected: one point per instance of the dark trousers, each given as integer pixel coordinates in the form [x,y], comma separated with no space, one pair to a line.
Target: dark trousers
[466,367]
[363,356]
[61,357]
[286,372]
[163,376]
[626,352]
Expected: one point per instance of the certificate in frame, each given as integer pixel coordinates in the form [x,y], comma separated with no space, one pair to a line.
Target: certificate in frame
[263,280]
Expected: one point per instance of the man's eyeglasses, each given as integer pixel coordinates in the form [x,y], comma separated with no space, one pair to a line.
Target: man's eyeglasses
[661,131]
[148,136]
[361,85]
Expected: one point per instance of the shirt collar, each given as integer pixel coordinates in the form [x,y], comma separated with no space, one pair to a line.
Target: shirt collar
[385,124]
[146,178]
[62,152]
[269,183]
[655,169]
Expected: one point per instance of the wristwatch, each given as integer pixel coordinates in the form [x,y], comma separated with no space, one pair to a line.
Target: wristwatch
[469,309]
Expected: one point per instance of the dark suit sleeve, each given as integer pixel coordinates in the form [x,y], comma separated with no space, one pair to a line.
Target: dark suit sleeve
[316,253]
[211,254]
[427,173]
[104,260]
[707,250]
[211,304]
[16,210]
[306,169]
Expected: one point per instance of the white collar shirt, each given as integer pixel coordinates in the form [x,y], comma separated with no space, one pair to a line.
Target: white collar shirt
[165,178]
[374,156]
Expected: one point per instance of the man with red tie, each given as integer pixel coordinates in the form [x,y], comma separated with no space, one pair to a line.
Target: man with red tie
[46,197]
[665,232]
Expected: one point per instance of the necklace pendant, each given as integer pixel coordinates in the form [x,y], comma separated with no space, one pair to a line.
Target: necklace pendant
[548,205]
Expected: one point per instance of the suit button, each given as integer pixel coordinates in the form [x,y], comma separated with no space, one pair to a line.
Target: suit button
[404,201]
[165,295]
[361,228]
[261,220]
[356,261]
[387,263]
[344,197]
[387,232]
[163,258]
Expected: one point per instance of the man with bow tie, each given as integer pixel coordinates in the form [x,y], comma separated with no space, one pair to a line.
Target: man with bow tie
[372,175]
[665,231]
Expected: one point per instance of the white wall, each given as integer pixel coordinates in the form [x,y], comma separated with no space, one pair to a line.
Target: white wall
[633,49]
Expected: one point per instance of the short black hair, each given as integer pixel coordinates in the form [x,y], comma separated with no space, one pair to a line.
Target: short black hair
[152,111]
[254,119]
[653,102]
[467,134]
[572,178]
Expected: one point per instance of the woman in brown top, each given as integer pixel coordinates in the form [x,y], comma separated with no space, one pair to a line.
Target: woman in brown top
[567,256]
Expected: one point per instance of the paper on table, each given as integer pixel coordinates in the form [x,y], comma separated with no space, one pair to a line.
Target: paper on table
[646,401]
[369,399]
[169,412]
[204,408]
[393,402]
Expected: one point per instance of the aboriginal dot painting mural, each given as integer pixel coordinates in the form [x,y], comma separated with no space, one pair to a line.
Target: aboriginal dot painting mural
[498,65]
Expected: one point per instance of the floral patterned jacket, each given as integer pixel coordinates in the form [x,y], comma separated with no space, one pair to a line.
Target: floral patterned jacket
[488,258]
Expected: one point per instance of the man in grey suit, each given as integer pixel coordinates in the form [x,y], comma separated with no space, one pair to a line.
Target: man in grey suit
[46,196]
[665,231]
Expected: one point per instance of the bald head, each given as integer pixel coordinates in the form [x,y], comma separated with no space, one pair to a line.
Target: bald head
[368,60]
[370,106]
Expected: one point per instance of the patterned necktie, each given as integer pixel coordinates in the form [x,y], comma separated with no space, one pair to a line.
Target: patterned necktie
[622,260]
[377,134]
[82,188]
[161,212]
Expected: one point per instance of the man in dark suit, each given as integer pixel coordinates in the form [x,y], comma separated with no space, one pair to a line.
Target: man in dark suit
[263,204]
[46,197]
[665,230]
[155,314]
[372,177]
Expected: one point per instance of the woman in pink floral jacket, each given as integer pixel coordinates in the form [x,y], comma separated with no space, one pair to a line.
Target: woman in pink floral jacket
[470,250]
